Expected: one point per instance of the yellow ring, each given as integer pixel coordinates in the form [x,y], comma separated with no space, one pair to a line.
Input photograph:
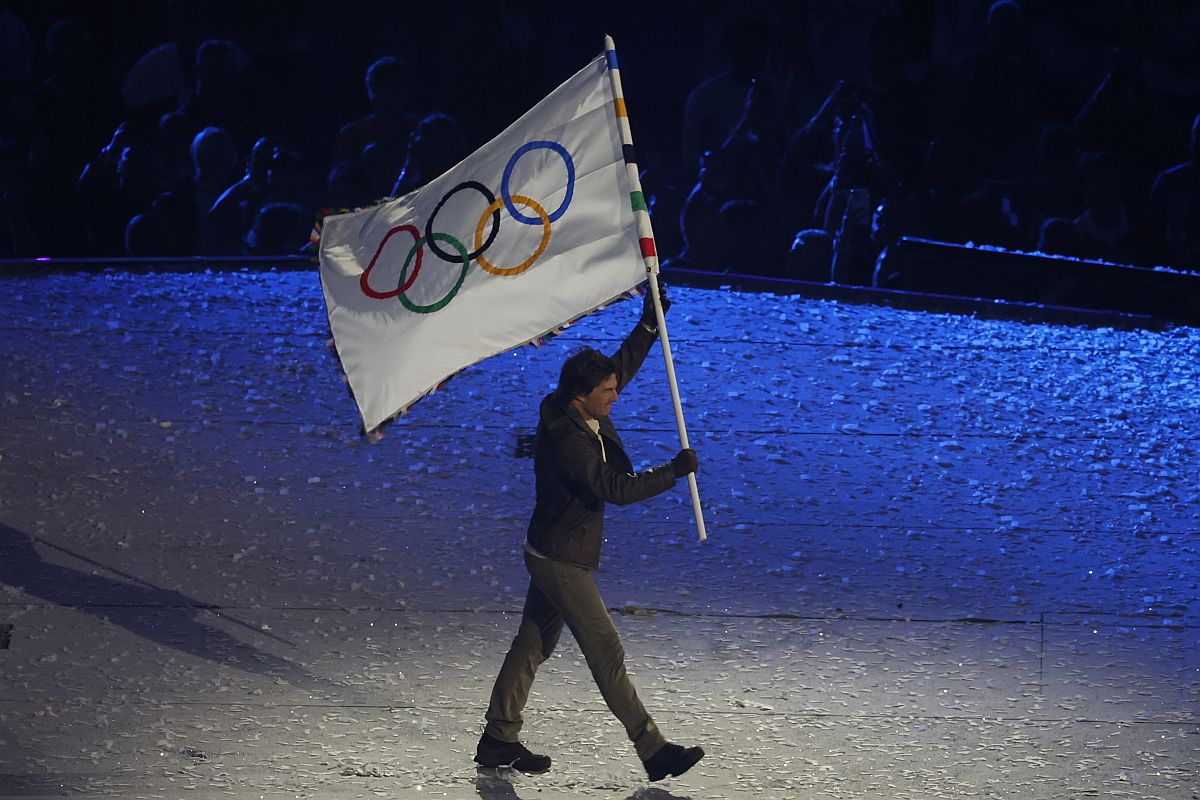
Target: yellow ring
[527,263]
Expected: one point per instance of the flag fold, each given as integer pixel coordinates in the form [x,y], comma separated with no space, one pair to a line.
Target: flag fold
[530,232]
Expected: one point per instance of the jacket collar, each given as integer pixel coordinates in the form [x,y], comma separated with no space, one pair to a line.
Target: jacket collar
[571,413]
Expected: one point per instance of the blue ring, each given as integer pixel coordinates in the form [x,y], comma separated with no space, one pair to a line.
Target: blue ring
[506,196]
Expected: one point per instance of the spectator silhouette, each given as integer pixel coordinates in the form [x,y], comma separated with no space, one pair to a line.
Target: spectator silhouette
[347,186]
[949,203]
[810,257]
[167,228]
[98,189]
[121,181]
[214,163]
[146,236]
[1057,236]
[17,239]
[160,79]
[987,112]
[736,197]
[1123,116]
[16,58]
[700,227]
[810,156]
[845,206]
[75,109]
[176,212]
[434,146]
[224,92]
[1103,225]
[139,177]
[1175,208]
[756,142]
[1002,100]
[232,213]
[898,114]
[754,244]
[156,81]
[840,36]
[856,166]
[74,113]
[942,102]
[175,137]
[716,105]
[278,229]
[792,71]
[288,179]
[389,123]
[898,214]
[1054,193]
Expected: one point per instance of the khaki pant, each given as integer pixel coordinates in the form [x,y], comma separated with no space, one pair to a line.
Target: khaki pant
[561,593]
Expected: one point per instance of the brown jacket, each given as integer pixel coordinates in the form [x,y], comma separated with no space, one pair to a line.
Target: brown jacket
[574,482]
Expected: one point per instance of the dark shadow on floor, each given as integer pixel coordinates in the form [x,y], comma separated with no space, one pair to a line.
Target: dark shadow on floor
[495,784]
[655,793]
[491,785]
[59,784]
[163,616]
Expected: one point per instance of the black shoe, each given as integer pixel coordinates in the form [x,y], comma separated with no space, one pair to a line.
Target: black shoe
[492,752]
[672,759]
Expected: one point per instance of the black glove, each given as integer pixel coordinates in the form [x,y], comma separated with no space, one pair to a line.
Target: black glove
[649,318]
[685,462]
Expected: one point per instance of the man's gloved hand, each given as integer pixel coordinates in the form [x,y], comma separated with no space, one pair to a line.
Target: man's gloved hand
[649,318]
[685,462]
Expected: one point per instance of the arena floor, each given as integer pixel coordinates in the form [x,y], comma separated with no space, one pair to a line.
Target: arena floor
[947,557]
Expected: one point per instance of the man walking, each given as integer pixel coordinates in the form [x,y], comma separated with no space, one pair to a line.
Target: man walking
[579,464]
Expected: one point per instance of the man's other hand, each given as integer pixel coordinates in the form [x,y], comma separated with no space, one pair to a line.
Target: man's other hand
[685,462]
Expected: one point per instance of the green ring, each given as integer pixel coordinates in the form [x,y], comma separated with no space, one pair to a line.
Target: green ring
[440,304]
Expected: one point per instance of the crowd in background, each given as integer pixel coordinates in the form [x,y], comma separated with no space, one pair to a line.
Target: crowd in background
[806,140]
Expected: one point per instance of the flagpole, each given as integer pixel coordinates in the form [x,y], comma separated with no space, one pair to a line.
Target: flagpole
[645,234]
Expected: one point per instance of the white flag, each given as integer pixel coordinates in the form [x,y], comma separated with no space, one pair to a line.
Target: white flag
[531,231]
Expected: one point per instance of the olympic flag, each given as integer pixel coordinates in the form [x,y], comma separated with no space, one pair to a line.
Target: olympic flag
[530,232]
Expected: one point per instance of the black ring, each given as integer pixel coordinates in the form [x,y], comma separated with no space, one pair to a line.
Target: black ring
[456,258]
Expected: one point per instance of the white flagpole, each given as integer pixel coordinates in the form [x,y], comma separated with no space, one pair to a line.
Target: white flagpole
[646,239]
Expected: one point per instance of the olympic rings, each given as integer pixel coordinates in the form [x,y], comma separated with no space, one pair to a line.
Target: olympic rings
[363,280]
[508,170]
[491,198]
[527,263]
[439,304]
[431,238]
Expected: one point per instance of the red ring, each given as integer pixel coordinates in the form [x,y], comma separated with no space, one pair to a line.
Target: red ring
[363,281]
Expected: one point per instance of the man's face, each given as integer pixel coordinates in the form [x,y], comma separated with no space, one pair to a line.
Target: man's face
[598,402]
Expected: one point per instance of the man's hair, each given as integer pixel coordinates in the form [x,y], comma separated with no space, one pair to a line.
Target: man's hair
[586,369]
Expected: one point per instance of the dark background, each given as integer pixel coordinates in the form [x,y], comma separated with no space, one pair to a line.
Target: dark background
[970,135]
